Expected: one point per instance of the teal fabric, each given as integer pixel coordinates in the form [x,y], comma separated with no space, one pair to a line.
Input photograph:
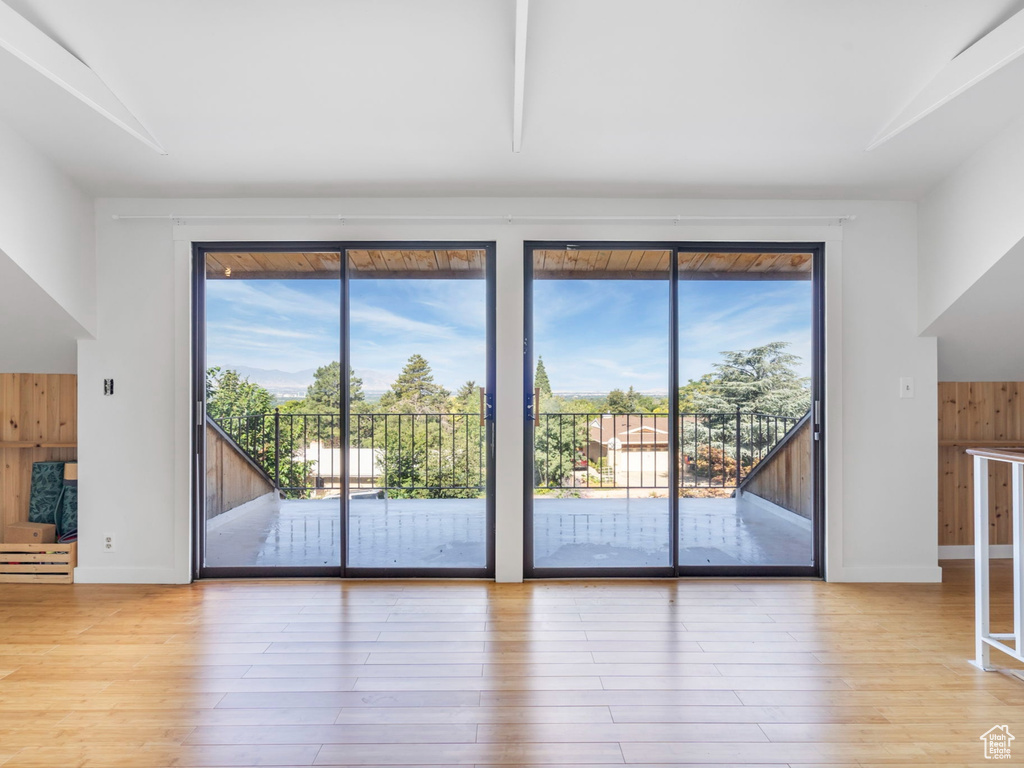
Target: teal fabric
[47,490]
[68,516]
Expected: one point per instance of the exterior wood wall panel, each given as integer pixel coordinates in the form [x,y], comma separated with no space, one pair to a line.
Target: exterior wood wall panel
[230,480]
[786,480]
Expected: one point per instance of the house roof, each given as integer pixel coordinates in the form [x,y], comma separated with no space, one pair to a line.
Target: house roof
[636,430]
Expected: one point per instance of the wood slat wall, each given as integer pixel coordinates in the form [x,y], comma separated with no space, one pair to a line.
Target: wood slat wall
[976,414]
[786,480]
[35,409]
[230,480]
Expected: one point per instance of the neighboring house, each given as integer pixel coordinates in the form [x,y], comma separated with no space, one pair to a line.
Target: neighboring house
[632,448]
[627,432]
[327,466]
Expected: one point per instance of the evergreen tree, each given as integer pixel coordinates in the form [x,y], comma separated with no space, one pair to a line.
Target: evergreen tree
[414,390]
[324,394]
[467,399]
[540,379]
[758,380]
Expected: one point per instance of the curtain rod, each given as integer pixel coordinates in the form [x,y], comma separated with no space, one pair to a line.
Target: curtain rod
[508,219]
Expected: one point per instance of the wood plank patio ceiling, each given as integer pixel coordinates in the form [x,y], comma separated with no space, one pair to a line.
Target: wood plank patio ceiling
[362,264]
[548,265]
[654,265]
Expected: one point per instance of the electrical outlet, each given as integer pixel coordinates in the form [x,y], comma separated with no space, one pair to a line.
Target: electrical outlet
[108,542]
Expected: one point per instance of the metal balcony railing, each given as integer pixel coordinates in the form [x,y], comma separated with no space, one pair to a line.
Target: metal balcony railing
[631,450]
[442,455]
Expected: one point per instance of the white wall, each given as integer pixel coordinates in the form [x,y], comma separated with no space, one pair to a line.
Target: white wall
[890,499]
[39,336]
[47,228]
[969,222]
[134,447]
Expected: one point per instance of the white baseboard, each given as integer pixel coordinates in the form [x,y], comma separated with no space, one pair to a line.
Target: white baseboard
[233,514]
[888,574]
[129,576]
[768,506]
[966,552]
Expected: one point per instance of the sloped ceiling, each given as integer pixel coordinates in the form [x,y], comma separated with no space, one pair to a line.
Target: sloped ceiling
[777,98]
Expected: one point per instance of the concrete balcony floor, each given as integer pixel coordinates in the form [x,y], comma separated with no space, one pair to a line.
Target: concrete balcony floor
[568,533]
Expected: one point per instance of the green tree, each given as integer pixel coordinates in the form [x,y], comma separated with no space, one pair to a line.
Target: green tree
[229,395]
[430,444]
[540,379]
[467,399]
[761,385]
[622,402]
[244,410]
[431,455]
[559,443]
[693,392]
[760,380]
[414,391]
[324,394]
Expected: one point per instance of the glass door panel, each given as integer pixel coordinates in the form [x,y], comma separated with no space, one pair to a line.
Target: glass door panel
[746,360]
[272,412]
[599,473]
[419,435]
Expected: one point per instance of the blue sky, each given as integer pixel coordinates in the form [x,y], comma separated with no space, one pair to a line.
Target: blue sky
[292,325]
[594,335]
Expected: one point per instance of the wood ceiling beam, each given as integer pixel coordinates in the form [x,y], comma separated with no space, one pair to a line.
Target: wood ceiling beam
[23,40]
[991,53]
[519,86]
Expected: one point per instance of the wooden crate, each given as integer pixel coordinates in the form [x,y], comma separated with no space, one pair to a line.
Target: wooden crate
[38,563]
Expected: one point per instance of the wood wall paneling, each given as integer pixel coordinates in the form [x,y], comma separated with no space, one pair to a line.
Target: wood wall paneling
[786,479]
[973,415]
[38,422]
[230,479]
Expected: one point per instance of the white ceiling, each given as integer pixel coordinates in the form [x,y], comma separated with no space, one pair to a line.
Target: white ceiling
[767,98]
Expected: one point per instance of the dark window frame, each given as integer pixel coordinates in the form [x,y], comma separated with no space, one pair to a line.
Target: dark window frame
[817,251]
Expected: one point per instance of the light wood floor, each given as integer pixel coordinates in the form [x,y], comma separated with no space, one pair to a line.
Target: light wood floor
[765,673]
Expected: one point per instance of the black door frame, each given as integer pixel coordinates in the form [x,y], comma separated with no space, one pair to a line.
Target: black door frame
[817,249]
[198,408]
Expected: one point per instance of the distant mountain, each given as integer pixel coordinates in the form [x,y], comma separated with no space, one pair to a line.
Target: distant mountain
[293,384]
[282,384]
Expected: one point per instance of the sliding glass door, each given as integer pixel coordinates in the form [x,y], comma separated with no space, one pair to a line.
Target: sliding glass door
[420,429]
[671,401]
[599,477]
[747,340]
[344,409]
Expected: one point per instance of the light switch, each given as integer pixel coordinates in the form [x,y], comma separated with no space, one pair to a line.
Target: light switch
[907,386]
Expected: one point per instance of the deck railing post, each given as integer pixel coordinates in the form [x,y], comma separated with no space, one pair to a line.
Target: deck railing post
[277,447]
[739,469]
[982,651]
